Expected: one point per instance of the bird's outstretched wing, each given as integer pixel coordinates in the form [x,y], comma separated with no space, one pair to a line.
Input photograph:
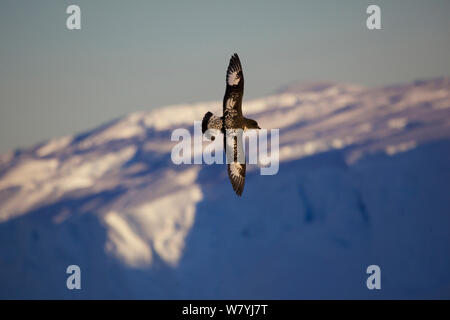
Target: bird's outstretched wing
[236,162]
[236,173]
[232,101]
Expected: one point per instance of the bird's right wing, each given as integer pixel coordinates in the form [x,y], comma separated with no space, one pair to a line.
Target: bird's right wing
[232,101]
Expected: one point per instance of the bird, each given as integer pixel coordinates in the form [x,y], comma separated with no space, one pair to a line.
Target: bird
[232,124]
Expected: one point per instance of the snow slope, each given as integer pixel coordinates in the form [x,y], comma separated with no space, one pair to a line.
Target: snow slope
[364,179]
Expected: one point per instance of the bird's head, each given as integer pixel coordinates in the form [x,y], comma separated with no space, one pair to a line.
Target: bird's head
[251,124]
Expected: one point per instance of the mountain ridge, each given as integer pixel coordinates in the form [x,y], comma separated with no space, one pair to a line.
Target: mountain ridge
[358,167]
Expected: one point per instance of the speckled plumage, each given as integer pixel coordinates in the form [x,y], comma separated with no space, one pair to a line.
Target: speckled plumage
[230,123]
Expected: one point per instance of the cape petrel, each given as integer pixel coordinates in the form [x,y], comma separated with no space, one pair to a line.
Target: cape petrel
[232,124]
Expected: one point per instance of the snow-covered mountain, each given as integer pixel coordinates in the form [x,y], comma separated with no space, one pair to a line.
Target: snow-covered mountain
[364,179]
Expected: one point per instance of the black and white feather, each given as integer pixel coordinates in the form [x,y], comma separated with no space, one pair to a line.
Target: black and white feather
[234,72]
[236,173]
[232,100]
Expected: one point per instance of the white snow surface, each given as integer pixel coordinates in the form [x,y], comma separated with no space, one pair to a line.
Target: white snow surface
[364,179]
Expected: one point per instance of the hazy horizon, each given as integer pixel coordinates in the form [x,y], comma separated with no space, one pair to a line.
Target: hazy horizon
[140,55]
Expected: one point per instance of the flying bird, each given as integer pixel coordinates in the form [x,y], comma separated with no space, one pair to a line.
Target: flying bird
[232,124]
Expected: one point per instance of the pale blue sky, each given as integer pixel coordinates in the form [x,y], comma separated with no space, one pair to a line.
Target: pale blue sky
[139,55]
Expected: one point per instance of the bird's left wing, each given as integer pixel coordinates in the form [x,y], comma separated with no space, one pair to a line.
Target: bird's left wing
[236,161]
[236,173]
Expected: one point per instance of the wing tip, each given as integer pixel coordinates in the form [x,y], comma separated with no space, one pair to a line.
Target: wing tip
[238,188]
[235,61]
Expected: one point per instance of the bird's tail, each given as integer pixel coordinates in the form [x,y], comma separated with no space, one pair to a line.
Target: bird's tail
[211,125]
[205,121]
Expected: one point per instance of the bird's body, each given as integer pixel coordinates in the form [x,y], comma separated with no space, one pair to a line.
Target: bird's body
[232,124]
